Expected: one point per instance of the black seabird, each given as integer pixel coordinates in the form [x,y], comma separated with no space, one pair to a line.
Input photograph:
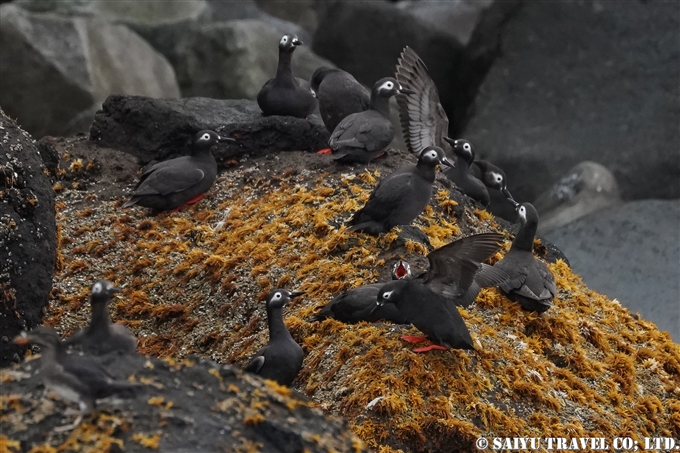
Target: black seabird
[284,94]
[101,336]
[361,137]
[455,277]
[531,284]
[460,175]
[77,378]
[281,359]
[401,196]
[172,183]
[491,175]
[339,95]
[423,119]
[358,304]
[428,312]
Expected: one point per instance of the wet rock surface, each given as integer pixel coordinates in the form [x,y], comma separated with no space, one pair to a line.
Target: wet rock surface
[28,243]
[159,128]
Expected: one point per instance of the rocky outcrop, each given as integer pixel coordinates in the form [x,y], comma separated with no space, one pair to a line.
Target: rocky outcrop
[56,71]
[159,128]
[631,253]
[189,405]
[585,81]
[458,41]
[28,238]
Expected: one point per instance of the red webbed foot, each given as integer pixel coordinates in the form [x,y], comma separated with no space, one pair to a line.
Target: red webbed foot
[414,339]
[430,347]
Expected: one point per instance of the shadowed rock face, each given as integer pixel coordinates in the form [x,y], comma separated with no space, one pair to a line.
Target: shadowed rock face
[123,124]
[190,405]
[28,242]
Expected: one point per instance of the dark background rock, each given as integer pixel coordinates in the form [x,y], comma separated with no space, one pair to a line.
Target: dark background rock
[28,244]
[55,69]
[585,80]
[160,128]
[380,30]
[197,406]
[631,253]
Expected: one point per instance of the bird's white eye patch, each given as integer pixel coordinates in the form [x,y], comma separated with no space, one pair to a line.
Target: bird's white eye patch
[432,154]
[284,40]
[523,212]
[205,137]
[97,288]
[467,147]
[386,295]
[387,86]
[277,296]
[497,177]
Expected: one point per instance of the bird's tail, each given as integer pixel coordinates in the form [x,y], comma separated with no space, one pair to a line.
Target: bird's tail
[131,202]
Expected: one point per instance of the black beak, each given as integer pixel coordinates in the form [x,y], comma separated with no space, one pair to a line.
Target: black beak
[451,141]
[295,294]
[114,289]
[297,42]
[375,307]
[226,139]
[507,194]
[447,162]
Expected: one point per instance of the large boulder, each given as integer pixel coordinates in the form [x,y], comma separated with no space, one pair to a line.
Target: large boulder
[630,253]
[190,405]
[56,71]
[28,243]
[232,60]
[160,128]
[458,41]
[585,81]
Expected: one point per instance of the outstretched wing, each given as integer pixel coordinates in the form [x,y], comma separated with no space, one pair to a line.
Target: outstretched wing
[423,120]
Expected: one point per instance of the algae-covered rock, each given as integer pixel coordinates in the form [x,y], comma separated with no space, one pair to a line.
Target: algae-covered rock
[194,282]
[189,405]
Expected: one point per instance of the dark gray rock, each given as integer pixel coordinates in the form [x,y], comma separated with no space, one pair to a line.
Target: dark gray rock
[631,253]
[159,128]
[28,244]
[54,69]
[200,406]
[585,80]
[366,38]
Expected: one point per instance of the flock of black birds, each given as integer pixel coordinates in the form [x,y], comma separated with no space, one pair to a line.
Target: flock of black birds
[360,131]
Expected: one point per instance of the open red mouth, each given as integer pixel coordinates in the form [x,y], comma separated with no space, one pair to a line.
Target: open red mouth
[401,270]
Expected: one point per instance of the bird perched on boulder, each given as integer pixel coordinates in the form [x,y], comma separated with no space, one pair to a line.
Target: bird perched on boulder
[429,301]
[77,378]
[339,95]
[401,196]
[358,304]
[284,94]
[460,175]
[172,183]
[530,283]
[281,358]
[101,336]
[492,176]
[361,137]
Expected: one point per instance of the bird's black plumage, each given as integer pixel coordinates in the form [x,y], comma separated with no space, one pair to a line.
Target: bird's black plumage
[401,196]
[360,137]
[281,358]
[358,304]
[460,175]
[171,183]
[284,94]
[423,120]
[491,175]
[428,312]
[101,336]
[339,95]
[530,283]
[75,377]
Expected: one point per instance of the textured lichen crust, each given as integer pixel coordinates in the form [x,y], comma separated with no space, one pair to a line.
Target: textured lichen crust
[193,282]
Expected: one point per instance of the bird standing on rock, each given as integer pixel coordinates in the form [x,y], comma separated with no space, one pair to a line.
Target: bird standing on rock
[339,95]
[170,184]
[531,284]
[361,137]
[286,95]
[401,196]
[77,378]
[460,175]
[454,278]
[281,359]
[101,336]
[358,304]
[492,176]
